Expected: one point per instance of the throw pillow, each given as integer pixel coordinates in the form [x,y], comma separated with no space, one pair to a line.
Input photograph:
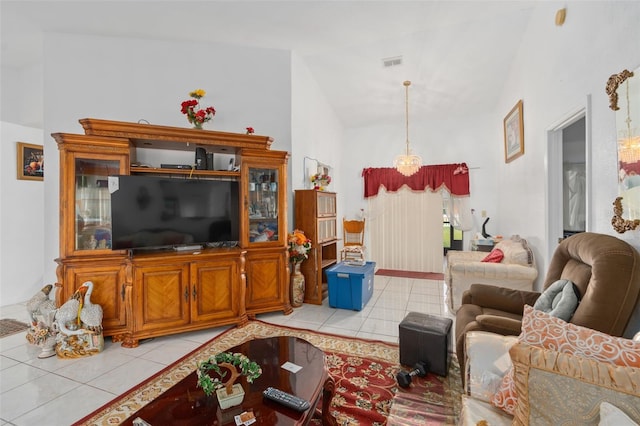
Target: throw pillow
[514,252]
[495,256]
[610,415]
[560,300]
[487,356]
[540,329]
[559,388]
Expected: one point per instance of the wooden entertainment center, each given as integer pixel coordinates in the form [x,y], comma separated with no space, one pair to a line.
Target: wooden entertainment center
[148,294]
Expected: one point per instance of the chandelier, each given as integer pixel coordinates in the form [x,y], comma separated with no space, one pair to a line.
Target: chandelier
[629,145]
[407,163]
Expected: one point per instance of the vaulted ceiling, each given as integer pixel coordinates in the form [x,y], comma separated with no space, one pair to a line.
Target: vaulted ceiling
[456,53]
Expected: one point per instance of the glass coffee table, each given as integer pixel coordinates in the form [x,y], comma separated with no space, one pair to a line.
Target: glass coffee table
[186,404]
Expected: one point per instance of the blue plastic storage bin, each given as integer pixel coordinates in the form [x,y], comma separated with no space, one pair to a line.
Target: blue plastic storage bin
[350,287]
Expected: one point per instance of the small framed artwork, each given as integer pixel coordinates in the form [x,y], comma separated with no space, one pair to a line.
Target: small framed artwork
[513,134]
[30,161]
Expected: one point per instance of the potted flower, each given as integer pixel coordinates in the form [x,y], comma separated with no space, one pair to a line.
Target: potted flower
[320,181]
[299,246]
[229,393]
[196,115]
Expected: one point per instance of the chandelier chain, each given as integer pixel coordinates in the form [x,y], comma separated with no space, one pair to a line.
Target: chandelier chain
[407,164]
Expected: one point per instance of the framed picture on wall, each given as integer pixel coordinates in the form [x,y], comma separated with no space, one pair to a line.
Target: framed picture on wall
[30,161]
[513,134]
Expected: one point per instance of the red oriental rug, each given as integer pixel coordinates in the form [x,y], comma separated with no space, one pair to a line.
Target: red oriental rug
[364,372]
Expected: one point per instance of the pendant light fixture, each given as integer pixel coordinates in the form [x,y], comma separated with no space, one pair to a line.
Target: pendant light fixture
[407,163]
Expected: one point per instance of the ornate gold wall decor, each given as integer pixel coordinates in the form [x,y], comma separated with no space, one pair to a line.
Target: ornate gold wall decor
[612,87]
[620,224]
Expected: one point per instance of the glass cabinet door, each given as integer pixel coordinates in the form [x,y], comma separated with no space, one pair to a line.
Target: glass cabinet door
[263,196]
[93,203]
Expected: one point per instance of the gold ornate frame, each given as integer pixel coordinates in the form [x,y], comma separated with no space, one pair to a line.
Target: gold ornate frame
[620,224]
[27,154]
[514,133]
[612,87]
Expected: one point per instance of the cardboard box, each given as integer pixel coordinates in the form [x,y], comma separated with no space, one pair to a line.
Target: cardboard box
[350,287]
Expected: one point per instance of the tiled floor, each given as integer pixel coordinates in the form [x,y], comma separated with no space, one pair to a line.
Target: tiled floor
[53,391]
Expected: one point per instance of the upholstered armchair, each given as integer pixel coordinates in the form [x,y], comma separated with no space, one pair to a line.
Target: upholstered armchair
[606,271]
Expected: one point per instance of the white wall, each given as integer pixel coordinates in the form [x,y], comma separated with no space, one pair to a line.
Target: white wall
[315,133]
[130,79]
[438,141]
[22,215]
[556,69]
[274,92]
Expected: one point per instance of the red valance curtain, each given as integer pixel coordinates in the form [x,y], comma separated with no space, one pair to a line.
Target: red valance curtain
[455,177]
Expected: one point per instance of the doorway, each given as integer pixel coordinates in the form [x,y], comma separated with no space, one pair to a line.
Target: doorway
[568,177]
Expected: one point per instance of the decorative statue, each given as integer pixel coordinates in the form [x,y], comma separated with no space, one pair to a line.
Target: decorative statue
[80,325]
[42,331]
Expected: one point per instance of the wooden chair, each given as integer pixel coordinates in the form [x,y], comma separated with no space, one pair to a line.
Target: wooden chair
[353,235]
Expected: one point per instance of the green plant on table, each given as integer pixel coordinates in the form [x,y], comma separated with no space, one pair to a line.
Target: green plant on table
[233,362]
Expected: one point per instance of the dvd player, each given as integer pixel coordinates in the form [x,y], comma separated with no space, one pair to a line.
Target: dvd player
[176,166]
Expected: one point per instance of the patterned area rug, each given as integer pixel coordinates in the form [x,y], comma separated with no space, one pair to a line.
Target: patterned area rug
[364,372]
[11,326]
[410,274]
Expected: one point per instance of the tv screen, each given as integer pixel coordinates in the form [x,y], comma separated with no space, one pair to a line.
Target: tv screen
[158,212]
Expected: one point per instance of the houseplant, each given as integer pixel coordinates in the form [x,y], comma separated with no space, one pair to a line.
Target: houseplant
[299,246]
[229,393]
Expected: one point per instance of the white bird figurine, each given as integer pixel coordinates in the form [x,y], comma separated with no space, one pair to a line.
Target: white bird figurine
[40,304]
[79,310]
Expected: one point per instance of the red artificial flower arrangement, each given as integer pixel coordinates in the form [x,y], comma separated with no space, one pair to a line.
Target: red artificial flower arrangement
[196,115]
[250,130]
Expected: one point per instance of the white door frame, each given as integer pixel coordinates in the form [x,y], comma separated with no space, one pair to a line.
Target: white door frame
[554,182]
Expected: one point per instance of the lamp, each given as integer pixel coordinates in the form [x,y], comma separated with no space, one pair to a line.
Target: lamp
[407,163]
[629,146]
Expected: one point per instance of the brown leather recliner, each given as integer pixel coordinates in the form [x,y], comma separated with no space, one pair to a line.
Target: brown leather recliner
[605,269]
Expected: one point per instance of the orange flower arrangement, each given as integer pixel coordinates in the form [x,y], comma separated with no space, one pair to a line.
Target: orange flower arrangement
[299,246]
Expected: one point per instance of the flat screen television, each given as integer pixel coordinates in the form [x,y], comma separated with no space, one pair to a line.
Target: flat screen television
[162,212]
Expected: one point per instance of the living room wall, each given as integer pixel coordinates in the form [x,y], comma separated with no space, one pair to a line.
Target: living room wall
[556,69]
[22,215]
[115,81]
[131,79]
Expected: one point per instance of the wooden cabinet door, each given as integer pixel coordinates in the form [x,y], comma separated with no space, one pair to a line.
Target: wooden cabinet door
[263,199]
[161,296]
[214,290]
[267,281]
[108,291]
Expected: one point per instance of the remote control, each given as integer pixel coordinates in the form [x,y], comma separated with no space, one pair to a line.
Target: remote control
[286,399]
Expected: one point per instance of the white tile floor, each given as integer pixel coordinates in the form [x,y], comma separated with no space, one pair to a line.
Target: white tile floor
[53,391]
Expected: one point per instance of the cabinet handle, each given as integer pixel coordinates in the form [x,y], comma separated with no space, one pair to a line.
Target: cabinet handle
[186,294]
[195,293]
[122,292]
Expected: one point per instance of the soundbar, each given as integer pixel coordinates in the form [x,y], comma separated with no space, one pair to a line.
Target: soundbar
[176,166]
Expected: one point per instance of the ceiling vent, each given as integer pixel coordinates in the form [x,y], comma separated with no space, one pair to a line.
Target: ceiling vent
[392,62]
